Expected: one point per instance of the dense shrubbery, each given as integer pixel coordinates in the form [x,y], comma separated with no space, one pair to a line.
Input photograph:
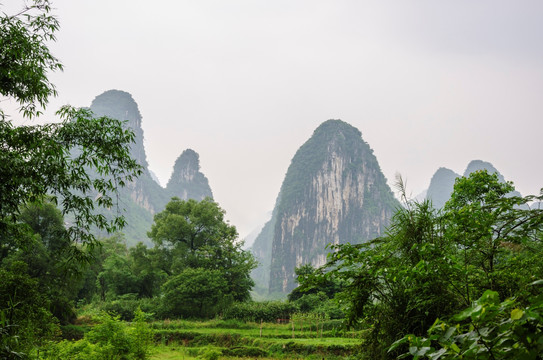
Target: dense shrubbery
[126,306]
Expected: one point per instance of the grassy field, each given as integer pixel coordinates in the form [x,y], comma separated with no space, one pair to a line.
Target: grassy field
[235,340]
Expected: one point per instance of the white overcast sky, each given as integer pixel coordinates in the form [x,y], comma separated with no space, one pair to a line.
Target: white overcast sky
[244,83]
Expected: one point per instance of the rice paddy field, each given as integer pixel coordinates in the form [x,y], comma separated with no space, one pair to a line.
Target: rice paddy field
[219,339]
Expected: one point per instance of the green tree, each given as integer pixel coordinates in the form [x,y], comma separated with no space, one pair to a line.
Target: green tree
[25,58]
[493,233]
[117,277]
[192,234]
[36,161]
[90,286]
[39,162]
[191,228]
[149,277]
[311,282]
[195,293]
[431,265]
[47,256]
[128,271]
[25,319]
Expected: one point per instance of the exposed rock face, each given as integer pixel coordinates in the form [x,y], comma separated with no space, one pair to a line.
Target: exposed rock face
[187,182]
[262,250]
[120,105]
[441,187]
[333,192]
[144,197]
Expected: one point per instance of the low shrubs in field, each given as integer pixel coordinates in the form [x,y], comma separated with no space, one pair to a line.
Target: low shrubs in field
[228,324]
[209,354]
[125,306]
[267,311]
[108,339]
[205,353]
[306,350]
[73,332]
[246,351]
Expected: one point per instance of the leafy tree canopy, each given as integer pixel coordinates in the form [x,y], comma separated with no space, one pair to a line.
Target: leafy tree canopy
[41,163]
[433,264]
[25,58]
[39,160]
[194,235]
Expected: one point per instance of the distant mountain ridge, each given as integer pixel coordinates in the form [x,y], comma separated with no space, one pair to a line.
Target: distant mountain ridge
[442,182]
[144,197]
[441,187]
[333,192]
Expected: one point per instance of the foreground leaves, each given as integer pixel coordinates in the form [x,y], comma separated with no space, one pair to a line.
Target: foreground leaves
[489,329]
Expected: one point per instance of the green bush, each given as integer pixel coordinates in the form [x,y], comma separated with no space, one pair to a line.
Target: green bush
[489,329]
[108,339]
[246,351]
[229,324]
[73,332]
[141,335]
[125,306]
[209,354]
[268,311]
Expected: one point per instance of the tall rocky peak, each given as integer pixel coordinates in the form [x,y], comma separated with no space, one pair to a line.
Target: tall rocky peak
[333,192]
[476,165]
[120,105]
[187,182]
[441,187]
[144,197]
[442,183]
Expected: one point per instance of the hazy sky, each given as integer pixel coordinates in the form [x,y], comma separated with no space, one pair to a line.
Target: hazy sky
[245,83]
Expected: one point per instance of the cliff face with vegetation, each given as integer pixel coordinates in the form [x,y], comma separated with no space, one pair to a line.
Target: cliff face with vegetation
[141,199]
[333,192]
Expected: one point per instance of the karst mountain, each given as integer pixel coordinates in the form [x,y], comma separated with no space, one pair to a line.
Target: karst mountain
[144,197]
[333,193]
